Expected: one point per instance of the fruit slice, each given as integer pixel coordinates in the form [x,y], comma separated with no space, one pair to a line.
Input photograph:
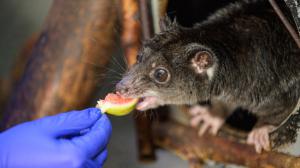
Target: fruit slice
[117,105]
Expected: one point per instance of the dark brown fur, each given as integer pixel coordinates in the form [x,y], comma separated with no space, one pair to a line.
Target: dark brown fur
[257,63]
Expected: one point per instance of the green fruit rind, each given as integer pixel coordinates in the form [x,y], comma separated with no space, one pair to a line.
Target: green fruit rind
[116,109]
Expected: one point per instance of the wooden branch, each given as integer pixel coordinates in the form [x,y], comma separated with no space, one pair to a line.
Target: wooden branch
[163,5]
[146,19]
[21,62]
[131,32]
[8,84]
[76,36]
[131,41]
[4,87]
[159,8]
[146,149]
[294,5]
[144,124]
[286,23]
[185,142]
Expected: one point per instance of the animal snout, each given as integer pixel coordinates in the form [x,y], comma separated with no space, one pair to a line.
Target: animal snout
[122,87]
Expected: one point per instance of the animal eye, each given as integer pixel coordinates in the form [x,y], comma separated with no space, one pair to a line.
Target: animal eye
[161,75]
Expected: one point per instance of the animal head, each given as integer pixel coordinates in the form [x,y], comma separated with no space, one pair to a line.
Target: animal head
[173,67]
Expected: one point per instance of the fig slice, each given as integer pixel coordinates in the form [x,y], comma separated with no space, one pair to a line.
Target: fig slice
[117,105]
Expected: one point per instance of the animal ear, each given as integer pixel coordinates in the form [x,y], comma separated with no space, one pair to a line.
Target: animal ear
[202,61]
[166,23]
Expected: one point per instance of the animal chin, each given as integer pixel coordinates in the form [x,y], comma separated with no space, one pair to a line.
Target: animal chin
[148,102]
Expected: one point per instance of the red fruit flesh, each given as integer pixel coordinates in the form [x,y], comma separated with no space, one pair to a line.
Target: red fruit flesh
[117,99]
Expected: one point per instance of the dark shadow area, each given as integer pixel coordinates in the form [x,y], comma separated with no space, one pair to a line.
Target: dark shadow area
[187,13]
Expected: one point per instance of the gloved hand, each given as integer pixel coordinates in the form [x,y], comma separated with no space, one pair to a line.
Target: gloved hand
[68,140]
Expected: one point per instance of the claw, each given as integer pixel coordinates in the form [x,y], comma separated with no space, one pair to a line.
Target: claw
[259,137]
[209,122]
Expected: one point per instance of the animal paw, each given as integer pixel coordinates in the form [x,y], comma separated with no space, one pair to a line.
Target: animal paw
[201,114]
[259,137]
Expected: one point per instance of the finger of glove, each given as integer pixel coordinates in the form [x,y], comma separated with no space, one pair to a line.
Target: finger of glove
[90,164]
[70,122]
[101,158]
[96,139]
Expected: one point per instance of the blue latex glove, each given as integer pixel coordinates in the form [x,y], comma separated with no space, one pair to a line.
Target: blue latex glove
[68,140]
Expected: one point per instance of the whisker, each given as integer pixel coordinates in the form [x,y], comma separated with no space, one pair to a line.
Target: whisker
[102,67]
[115,72]
[125,61]
[137,114]
[119,65]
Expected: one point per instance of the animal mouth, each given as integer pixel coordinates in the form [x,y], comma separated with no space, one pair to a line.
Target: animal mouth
[148,102]
[145,101]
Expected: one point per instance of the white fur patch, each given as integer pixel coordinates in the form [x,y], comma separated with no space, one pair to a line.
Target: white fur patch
[153,64]
[210,72]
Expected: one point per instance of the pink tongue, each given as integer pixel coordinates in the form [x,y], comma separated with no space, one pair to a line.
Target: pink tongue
[147,103]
